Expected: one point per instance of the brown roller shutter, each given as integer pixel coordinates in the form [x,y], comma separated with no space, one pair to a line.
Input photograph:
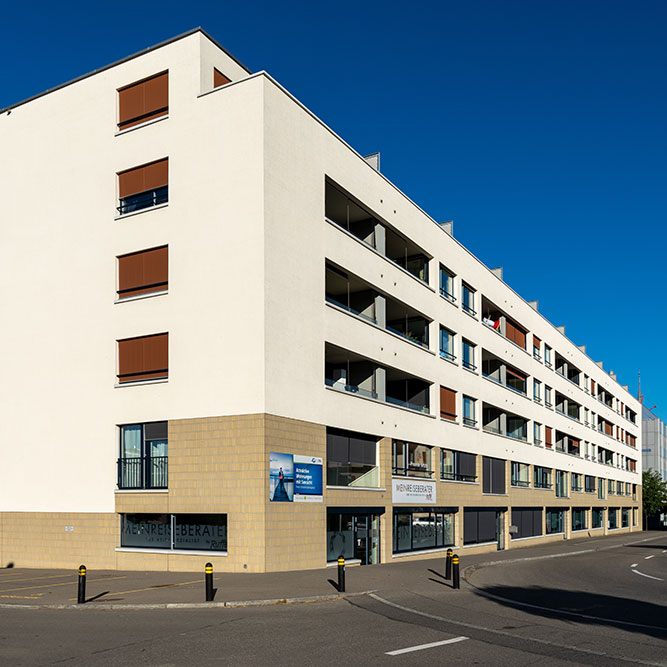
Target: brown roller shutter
[143,101]
[143,272]
[143,358]
[547,436]
[219,79]
[515,334]
[593,387]
[447,403]
[516,374]
[536,341]
[147,177]
[609,428]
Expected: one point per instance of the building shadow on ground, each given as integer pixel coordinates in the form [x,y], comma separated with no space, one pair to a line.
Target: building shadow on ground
[584,608]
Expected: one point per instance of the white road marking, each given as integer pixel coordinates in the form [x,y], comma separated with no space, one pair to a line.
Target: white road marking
[647,575]
[423,646]
[634,565]
[665,551]
[647,557]
[529,639]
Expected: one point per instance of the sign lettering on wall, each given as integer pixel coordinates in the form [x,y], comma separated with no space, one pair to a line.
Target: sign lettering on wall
[413,491]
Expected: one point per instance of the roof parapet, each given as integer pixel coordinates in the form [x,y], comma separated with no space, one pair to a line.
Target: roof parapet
[533,305]
[448,227]
[498,272]
[374,160]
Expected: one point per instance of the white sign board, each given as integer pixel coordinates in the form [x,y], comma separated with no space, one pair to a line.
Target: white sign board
[413,491]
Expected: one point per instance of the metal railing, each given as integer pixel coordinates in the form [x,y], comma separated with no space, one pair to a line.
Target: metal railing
[145,199]
[143,472]
[447,295]
[447,355]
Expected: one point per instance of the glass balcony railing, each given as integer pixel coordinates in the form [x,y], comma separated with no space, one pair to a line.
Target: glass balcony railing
[342,306]
[146,199]
[352,389]
[407,404]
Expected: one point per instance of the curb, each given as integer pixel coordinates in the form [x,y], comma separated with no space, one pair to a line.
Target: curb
[232,604]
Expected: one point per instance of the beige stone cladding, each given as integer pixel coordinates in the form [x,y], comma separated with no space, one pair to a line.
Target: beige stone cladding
[58,539]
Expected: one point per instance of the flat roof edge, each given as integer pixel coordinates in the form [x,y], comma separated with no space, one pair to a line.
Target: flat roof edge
[124,60]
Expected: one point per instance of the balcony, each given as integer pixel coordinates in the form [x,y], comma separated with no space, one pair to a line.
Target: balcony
[146,199]
[496,319]
[347,213]
[143,472]
[504,423]
[351,373]
[496,370]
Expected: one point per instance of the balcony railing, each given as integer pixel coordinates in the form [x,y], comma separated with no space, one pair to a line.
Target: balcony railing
[520,482]
[407,404]
[143,472]
[146,199]
[352,389]
[342,306]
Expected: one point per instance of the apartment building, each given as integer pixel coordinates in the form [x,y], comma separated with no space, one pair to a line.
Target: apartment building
[230,338]
[654,443]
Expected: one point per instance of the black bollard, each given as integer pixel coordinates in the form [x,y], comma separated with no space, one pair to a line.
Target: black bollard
[448,564]
[341,574]
[209,582]
[456,582]
[82,585]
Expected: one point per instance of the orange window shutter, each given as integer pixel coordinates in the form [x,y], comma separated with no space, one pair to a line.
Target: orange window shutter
[447,403]
[219,79]
[143,101]
[146,177]
[156,355]
[130,359]
[547,435]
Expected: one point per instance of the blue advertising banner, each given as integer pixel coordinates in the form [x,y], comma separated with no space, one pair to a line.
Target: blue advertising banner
[295,478]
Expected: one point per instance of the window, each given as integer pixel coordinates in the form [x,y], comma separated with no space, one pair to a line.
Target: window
[412,459]
[625,517]
[469,418]
[590,484]
[537,391]
[561,484]
[143,456]
[619,488]
[493,475]
[541,477]
[537,433]
[548,437]
[198,532]
[143,187]
[468,355]
[547,356]
[520,473]
[143,358]
[610,487]
[418,528]
[576,481]
[447,284]
[579,518]
[351,459]
[596,518]
[143,101]
[612,518]
[447,344]
[447,404]
[602,486]
[528,522]
[555,521]
[536,347]
[516,380]
[143,272]
[480,526]
[547,396]
[459,466]
[635,516]
[468,298]
[219,79]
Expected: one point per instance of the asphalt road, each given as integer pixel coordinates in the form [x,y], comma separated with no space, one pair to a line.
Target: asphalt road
[590,609]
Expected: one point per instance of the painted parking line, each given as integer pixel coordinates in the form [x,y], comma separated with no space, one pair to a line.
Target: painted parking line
[421,647]
[648,576]
[23,597]
[634,565]
[53,576]
[151,588]
[647,557]
[66,583]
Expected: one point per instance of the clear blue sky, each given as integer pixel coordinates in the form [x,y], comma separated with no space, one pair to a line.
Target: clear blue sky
[538,127]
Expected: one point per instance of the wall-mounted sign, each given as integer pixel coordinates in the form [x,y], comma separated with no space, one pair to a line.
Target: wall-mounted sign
[413,491]
[295,478]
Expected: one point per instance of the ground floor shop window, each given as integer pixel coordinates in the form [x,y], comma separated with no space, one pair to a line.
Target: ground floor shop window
[625,518]
[481,526]
[527,520]
[555,521]
[417,528]
[635,515]
[597,518]
[579,518]
[354,534]
[612,518]
[189,532]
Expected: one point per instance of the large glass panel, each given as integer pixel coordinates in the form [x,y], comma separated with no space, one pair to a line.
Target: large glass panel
[423,531]
[130,441]
[447,344]
[555,521]
[340,536]
[148,531]
[202,532]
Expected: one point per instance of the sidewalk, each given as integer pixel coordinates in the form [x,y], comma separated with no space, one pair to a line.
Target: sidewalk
[123,589]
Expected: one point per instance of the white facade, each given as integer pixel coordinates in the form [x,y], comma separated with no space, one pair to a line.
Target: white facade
[245,309]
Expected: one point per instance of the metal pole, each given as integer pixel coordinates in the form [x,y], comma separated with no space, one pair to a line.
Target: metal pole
[456,582]
[448,564]
[81,598]
[341,574]
[209,582]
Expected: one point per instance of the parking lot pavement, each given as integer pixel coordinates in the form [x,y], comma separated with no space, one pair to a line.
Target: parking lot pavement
[113,588]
